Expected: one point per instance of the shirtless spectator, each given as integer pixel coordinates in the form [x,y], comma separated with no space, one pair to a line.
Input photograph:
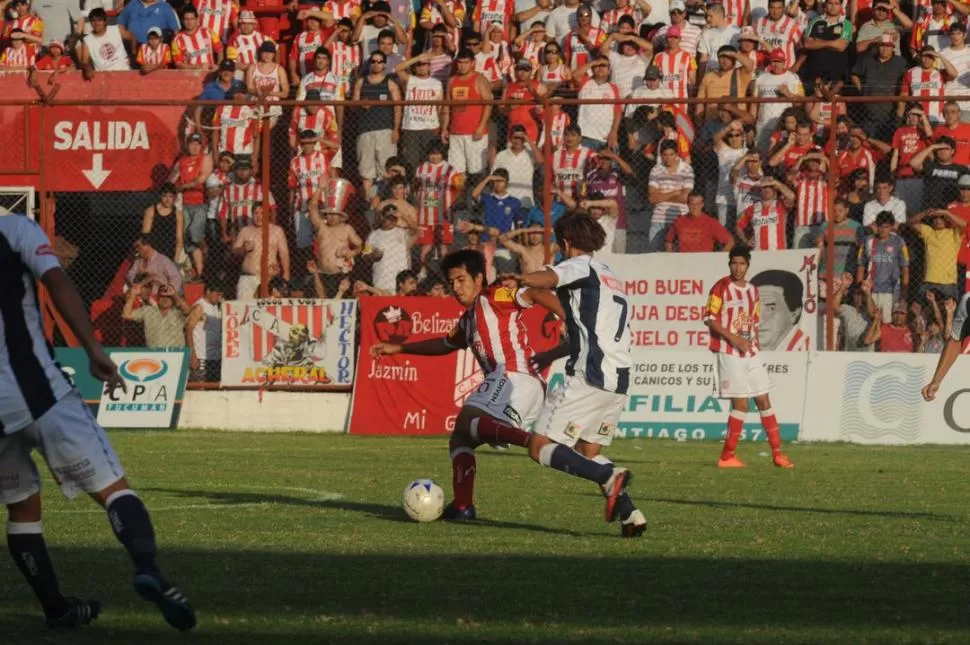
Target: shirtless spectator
[337,243]
[249,246]
[532,253]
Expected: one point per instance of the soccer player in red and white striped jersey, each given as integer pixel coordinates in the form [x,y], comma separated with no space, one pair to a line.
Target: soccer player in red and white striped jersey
[926,81]
[768,218]
[218,16]
[436,186]
[732,315]
[510,397]
[779,31]
[571,163]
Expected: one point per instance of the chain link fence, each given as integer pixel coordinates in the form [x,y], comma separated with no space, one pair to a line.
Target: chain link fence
[335,199]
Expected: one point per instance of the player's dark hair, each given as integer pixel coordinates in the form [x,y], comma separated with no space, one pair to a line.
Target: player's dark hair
[740,251]
[189,10]
[667,144]
[403,276]
[695,193]
[581,231]
[323,51]
[214,284]
[98,14]
[386,33]
[472,261]
[885,217]
[144,240]
[791,285]
[168,188]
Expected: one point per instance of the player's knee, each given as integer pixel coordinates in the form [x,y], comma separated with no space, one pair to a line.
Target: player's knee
[536,442]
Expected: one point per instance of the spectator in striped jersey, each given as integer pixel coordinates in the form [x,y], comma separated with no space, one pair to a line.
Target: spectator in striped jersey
[155,54]
[19,55]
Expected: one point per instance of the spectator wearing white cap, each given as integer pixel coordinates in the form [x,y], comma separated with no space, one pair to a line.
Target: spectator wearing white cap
[55,60]
[243,46]
[155,54]
[690,35]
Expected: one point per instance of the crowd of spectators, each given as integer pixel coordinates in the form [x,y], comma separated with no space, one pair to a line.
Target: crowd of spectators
[660,175]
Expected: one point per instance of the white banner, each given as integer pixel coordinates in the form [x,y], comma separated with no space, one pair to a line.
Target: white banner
[288,342]
[153,380]
[875,398]
[668,302]
[672,396]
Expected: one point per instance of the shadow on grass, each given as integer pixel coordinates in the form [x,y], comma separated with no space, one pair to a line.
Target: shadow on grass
[555,595]
[900,515]
[379,511]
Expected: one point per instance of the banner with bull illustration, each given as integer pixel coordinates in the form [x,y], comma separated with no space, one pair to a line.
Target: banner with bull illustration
[668,292]
[292,341]
[420,395]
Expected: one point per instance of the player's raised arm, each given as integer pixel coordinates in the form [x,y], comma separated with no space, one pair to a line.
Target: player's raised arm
[960,331]
[429,347]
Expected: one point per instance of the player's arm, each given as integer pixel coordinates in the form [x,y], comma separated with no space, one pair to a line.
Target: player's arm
[543,298]
[714,303]
[195,317]
[952,349]
[544,279]
[440,346]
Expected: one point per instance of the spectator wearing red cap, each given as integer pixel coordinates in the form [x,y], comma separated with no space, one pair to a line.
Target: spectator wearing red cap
[778,82]
[826,45]
[244,44]
[880,75]
[195,47]
[887,19]
[155,54]
[778,30]
[677,67]
[55,59]
[689,35]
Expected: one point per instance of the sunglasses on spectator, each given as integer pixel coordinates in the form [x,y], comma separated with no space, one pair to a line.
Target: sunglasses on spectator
[735,133]
[377,61]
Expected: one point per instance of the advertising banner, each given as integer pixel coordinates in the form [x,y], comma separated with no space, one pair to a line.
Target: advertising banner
[876,398]
[291,341]
[672,396]
[668,291]
[155,380]
[420,395]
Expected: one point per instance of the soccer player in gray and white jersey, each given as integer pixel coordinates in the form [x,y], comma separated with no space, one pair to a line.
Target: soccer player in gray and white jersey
[579,419]
[40,409]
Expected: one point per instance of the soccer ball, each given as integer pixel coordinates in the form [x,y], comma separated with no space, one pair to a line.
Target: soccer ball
[423,500]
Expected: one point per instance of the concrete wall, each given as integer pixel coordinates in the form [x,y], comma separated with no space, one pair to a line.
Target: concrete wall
[251,411]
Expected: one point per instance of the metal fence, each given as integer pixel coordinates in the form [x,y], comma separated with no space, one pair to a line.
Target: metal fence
[318,198]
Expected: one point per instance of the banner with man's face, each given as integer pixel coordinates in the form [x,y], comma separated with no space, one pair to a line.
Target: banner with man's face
[667,292]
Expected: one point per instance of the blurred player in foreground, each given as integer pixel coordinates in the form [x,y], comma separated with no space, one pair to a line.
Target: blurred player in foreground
[732,314]
[40,409]
[960,331]
[580,418]
[508,400]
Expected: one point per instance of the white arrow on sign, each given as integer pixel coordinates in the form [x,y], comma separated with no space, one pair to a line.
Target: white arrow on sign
[97,175]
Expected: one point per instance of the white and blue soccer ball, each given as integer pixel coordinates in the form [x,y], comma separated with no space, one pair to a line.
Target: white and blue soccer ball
[423,500]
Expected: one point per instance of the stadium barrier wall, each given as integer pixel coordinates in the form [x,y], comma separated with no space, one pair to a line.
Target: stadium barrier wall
[266,411]
[875,399]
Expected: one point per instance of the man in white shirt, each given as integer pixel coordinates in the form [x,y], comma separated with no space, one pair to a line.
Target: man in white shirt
[519,159]
[779,81]
[718,34]
[391,245]
[630,60]
[600,123]
[651,89]
[884,200]
[959,56]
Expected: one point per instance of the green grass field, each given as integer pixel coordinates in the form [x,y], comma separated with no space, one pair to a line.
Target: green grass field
[300,539]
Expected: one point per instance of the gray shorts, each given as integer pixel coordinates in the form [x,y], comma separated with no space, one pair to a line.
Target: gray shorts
[373,151]
[195,217]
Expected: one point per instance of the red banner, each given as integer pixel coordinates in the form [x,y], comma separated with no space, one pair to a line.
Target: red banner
[98,148]
[420,395]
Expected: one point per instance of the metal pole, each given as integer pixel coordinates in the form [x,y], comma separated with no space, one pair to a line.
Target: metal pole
[547,177]
[830,232]
[264,224]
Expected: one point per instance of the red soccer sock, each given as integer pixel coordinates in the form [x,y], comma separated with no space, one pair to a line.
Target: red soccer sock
[492,430]
[770,423]
[735,425]
[463,475]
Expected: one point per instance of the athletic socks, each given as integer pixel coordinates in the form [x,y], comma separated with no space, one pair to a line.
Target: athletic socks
[567,460]
[463,475]
[734,427]
[624,505]
[491,430]
[770,423]
[133,528]
[29,552]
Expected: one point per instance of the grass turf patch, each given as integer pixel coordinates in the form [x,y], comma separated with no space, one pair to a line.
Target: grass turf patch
[300,538]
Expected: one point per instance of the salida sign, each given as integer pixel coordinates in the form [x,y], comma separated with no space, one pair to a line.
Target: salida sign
[95,149]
